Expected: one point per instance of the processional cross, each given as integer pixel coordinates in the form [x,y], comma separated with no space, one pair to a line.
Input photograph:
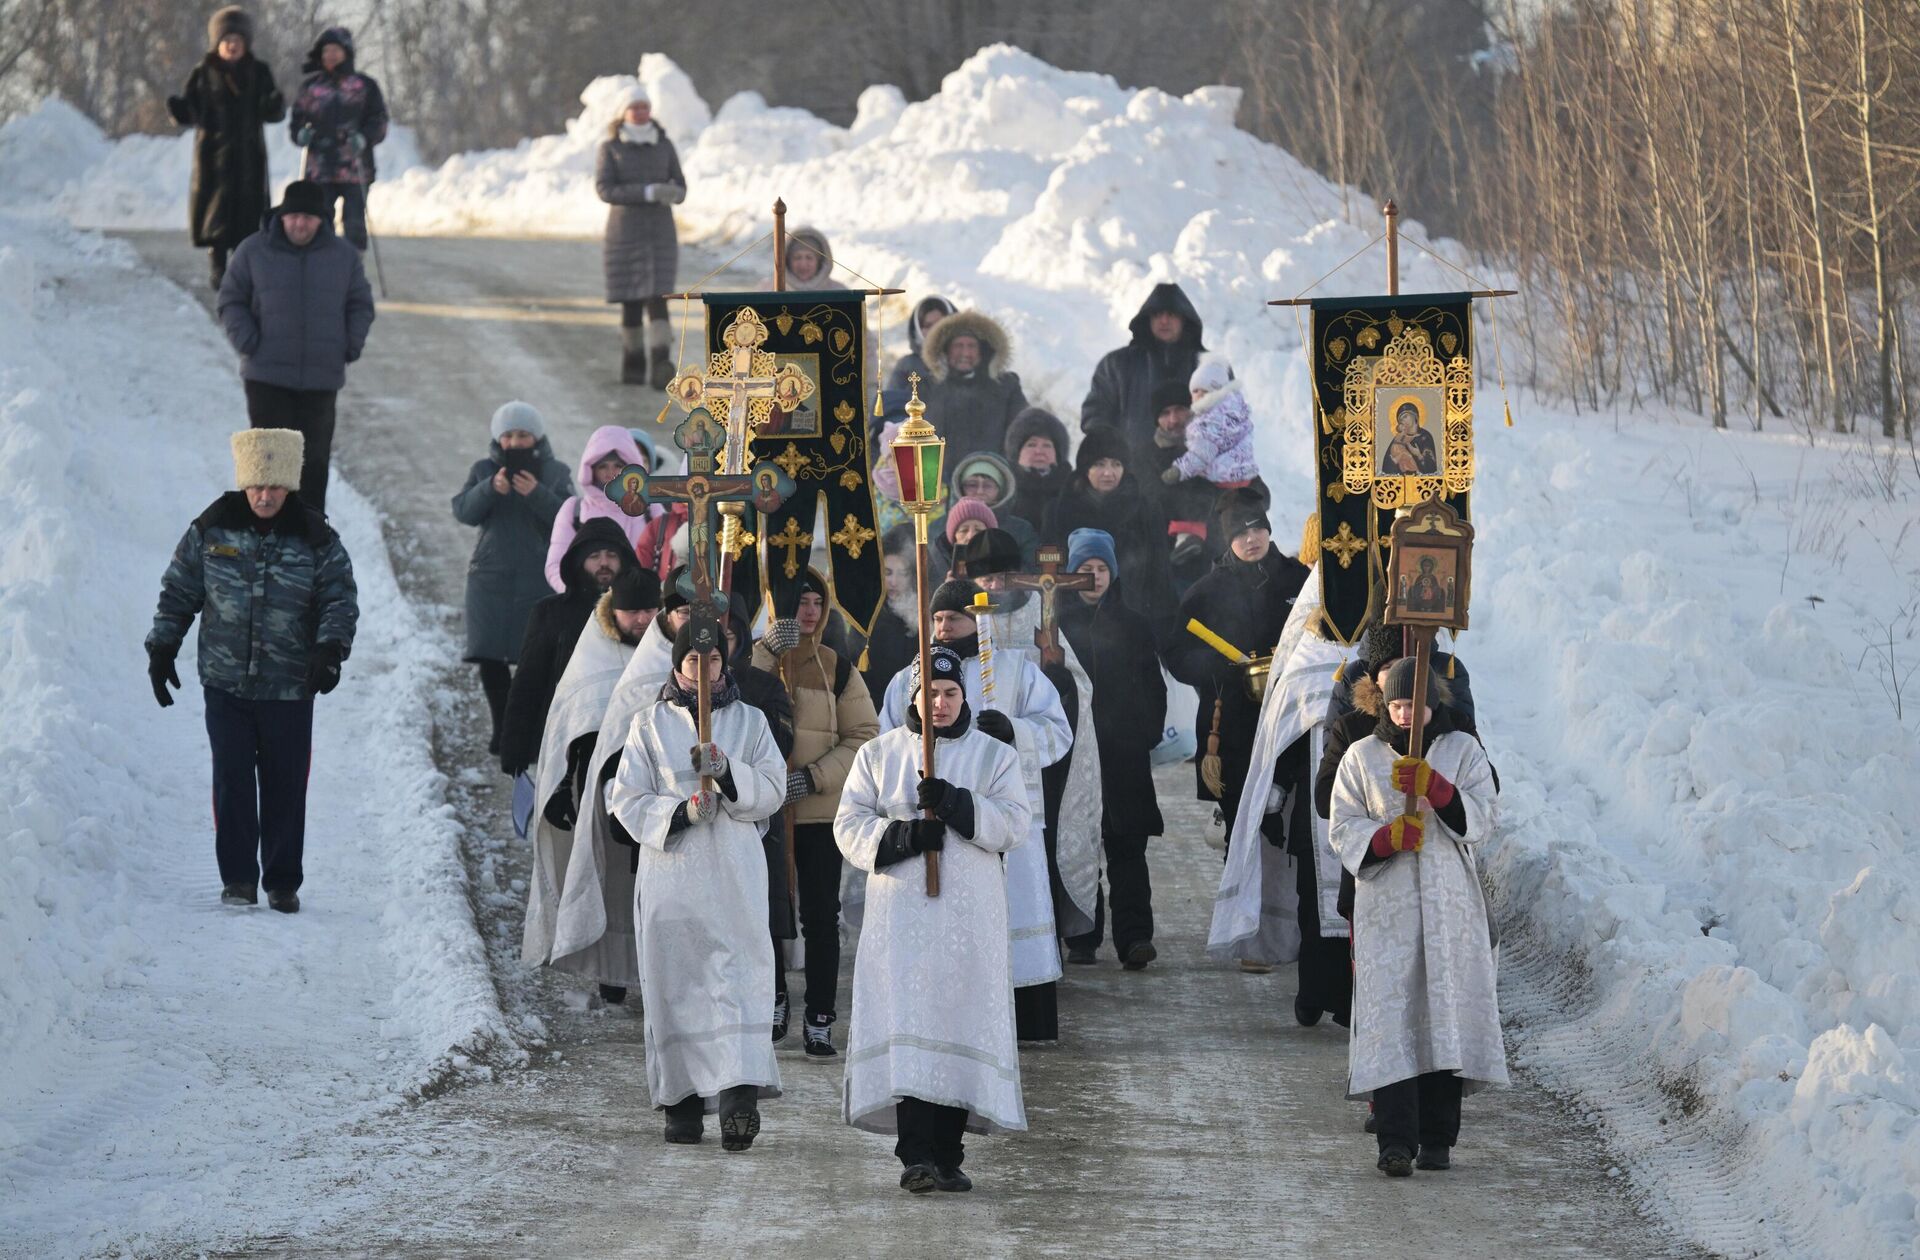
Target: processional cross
[1048,581]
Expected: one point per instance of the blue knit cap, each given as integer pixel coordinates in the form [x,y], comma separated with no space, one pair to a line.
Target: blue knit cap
[517,415]
[1085,544]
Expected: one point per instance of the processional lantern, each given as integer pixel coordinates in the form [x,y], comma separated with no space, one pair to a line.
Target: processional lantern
[920,456]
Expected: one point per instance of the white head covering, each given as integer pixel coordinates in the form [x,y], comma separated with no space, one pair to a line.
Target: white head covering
[1212,375]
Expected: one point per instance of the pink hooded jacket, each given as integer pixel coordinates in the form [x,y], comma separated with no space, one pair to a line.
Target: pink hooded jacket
[608,439]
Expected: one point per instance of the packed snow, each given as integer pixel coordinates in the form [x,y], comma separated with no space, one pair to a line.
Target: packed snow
[161,1051]
[1693,651]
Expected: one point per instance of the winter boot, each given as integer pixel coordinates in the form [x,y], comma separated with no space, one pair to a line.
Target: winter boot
[782,1012]
[659,356]
[1372,1124]
[1435,1158]
[284,902]
[1307,1015]
[818,1033]
[239,895]
[919,1178]
[951,1180]
[1082,955]
[685,1120]
[739,1117]
[613,994]
[1395,1161]
[1138,955]
[633,356]
[1256,966]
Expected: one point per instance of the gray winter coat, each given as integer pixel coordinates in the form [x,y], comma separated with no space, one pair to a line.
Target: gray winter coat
[641,253]
[264,598]
[507,575]
[297,315]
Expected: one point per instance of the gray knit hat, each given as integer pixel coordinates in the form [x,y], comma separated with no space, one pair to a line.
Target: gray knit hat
[517,415]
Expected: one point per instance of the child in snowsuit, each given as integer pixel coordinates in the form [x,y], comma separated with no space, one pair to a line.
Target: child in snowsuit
[1220,434]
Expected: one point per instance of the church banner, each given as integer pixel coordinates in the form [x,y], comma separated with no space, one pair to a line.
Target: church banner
[1392,428]
[798,361]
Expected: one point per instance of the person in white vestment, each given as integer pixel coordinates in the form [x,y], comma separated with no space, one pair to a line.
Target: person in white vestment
[931,1052]
[1426,1016]
[1012,699]
[700,918]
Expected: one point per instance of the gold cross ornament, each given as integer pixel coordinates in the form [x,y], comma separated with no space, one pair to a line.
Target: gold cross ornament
[852,536]
[1345,545]
[791,540]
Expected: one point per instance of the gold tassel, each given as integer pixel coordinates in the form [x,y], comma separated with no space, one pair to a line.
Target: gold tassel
[1508,408]
[1211,771]
[662,417]
[1310,541]
[863,665]
[1450,660]
[1340,672]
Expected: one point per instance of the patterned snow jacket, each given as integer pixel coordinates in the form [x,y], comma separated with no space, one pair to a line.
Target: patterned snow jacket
[266,592]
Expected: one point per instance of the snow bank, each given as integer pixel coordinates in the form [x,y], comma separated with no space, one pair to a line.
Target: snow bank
[159,1051]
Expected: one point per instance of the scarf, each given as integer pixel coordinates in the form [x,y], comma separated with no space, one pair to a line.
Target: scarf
[961,724]
[1395,736]
[964,648]
[720,693]
[647,133]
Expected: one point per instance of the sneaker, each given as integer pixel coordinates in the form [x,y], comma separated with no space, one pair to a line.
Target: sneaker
[951,1180]
[1307,1015]
[239,895]
[1081,955]
[1395,1162]
[919,1178]
[1255,967]
[1435,1158]
[613,994]
[782,1011]
[819,1038]
[1138,955]
[284,902]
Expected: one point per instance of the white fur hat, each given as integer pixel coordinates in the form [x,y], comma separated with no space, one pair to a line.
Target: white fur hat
[634,95]
[1212,375]
[268,457]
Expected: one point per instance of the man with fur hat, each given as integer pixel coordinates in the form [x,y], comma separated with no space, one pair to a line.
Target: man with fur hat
[833,717]
[597,555]
[1037,448]
[229,99]
[696,809]
[932,1053]
[274,591]
[1245,600]
[339,118]
[637,173]
[1426,1014]
[296,307]
[1010,699]
[621,616]
[1129,713]
[974,394]
[1105,495]
[1165,346]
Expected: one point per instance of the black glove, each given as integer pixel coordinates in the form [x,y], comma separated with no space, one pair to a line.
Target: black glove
[177,108]
[160,672]
[560,810]
[995,723]
[928,835]
[323,668]
[908,837]
[951,805]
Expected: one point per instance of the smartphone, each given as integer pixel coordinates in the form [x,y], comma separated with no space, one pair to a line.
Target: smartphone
[517,461]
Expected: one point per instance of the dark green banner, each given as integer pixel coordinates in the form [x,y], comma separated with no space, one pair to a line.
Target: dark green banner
[1392,426]
[820,441]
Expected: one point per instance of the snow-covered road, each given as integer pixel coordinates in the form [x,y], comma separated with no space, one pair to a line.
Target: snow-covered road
[1185,1113]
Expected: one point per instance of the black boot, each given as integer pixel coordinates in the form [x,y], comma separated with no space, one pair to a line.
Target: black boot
[1435,1158]
[739,1117]
[613,994]
[685,1120]
[633,356]
[239,895]
[1307,1015]
[660,367]
[1395,1161]
[951,1180]
[284,902]
[1138,955]
[919,1178]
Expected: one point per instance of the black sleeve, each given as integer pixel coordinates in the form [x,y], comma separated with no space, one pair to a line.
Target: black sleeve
[724,781]
[1454,814]
[1339,738]
[896,844]
[520,726]
[957,810]
[675,825]
[1372,859]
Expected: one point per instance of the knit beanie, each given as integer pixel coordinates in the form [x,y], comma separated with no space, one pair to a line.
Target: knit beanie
[811,583]
[1091,544]
[984,464]
[1170,394]
[700,634]
[944,662]
[1098,443]
[1399,684]
[1212,376]
[517,415]
[970,510]
[303,196]
[989,551]
[954,595]
[649,449]
[1241,510]
[636,589]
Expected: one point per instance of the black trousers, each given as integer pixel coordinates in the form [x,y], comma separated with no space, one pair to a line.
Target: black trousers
[1036,1012]
[353,202]
[262,750]
[929,1133]
[1131,888]
[311,412]
[217,263]
[1422,1110]
[496,679]
[816,861]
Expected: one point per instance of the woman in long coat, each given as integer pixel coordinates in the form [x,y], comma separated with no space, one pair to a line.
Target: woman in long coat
[229,99]
[637,173]
[512,496]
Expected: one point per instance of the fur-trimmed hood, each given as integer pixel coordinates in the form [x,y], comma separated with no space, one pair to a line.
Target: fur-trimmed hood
[996,347]
[1218,398]
[603,616]
[1037,422]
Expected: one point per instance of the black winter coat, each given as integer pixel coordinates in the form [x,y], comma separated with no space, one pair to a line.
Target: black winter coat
[1116,647]
[296,314]
[229,106]
[1139,542]
[1356,723]
[553,628]
[507,575]
[1121,395]
[1247,605]
[891,647]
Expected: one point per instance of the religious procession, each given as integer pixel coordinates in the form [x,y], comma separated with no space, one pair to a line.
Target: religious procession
[846,665]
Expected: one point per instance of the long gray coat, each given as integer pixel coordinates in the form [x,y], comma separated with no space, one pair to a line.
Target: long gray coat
[507,575]
[641,253]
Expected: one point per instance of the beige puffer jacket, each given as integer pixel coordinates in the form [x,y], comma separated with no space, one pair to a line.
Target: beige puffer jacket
[828,729]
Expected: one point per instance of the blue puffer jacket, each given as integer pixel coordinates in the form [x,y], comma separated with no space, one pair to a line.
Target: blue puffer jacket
[266,593]
[297,314]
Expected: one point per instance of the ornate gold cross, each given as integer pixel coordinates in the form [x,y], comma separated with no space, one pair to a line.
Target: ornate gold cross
[791,540]
[1345,544]
[852,536]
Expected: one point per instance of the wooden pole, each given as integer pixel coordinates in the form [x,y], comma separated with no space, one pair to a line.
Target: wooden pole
[926,680]
[786,811]
[703,711]
[1392,213]
[1422,645]
[779,245]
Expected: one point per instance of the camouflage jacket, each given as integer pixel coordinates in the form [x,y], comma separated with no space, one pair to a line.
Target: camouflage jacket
[265,597]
